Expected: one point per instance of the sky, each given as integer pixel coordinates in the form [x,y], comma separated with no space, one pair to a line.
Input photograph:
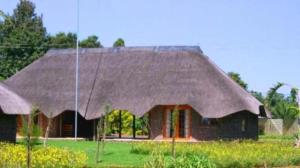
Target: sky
[258,39]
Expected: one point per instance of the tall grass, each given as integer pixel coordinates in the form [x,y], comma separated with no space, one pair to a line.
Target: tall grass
[232,154]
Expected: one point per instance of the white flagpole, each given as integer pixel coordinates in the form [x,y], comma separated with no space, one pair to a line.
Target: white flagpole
[77,72]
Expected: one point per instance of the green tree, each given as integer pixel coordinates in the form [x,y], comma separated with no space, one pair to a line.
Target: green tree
[237,78]
[68,40]
[62,40]
[119,43]
[258,95]
[90,42]
[22,38]
[281,106]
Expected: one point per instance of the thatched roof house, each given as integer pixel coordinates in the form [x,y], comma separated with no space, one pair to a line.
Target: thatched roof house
[138,79]
[11,104]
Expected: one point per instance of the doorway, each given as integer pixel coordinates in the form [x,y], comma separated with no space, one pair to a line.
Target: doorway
[183,122]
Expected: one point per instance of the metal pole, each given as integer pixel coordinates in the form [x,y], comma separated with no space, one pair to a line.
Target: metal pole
[77,71]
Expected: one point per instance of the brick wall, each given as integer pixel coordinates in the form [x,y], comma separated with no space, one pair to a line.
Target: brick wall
[229,127]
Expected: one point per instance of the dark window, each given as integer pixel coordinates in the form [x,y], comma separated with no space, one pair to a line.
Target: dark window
[181,123]
[209,121]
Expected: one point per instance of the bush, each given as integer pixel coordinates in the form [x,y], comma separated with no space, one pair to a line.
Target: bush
[238,154]
[15,156]
[157,160]
[192,161]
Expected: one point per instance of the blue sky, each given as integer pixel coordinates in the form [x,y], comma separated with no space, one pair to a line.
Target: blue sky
[258,39]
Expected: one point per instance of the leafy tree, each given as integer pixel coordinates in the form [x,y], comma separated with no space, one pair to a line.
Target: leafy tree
[127,119]
[281,106]
[68,40]
[90,42]
[237,78]
[62,40]
[258,95]
[285,111]
[119,43]
[22,36]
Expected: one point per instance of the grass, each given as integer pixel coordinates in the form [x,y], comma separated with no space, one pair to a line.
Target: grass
[116,154]
[119,154]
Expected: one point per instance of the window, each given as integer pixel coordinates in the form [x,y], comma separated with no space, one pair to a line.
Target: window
[209,121]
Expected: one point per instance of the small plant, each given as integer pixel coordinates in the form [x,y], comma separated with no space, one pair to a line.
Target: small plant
[31,133]
[192,161]
[175,114]
[49,124]
[157,160]
[101,128]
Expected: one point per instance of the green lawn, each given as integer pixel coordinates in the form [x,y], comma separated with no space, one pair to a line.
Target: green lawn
[117,154]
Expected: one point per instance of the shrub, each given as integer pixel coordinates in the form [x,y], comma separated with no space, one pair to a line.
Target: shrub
[192,161]
[15,156]
[157,160]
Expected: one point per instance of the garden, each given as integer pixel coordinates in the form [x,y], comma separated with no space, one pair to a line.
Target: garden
[269,151]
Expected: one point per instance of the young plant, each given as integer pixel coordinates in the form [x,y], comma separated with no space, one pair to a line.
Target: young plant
[48,129]
[31,133]
[175,114]
[101,128]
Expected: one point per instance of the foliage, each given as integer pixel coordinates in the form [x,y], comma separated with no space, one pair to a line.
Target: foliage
[113,119]
[23,38]
[157,160]
[127,121]
[30,130]
[90,42]
[237,78]
[232,154]
[68,40]
[285,111]
[119,43]
[62,40]
[192,161]
[258,95]
[49,157]
[281,106]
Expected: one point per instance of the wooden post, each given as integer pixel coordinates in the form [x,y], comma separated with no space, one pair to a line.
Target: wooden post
[133,127]
[60,125]
[120,123]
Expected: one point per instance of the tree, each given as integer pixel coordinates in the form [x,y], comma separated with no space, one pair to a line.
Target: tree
[258,95]
[69,40]
[281,106]
[22,38]
[62,40]
[119,43]
[237,78]
[90,42]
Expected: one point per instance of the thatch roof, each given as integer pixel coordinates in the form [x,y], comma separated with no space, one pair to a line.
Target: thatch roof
[131,78]
[11,103]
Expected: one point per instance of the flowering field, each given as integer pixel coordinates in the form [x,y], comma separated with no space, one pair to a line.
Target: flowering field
[268,151]
[231,154]
[14,156]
